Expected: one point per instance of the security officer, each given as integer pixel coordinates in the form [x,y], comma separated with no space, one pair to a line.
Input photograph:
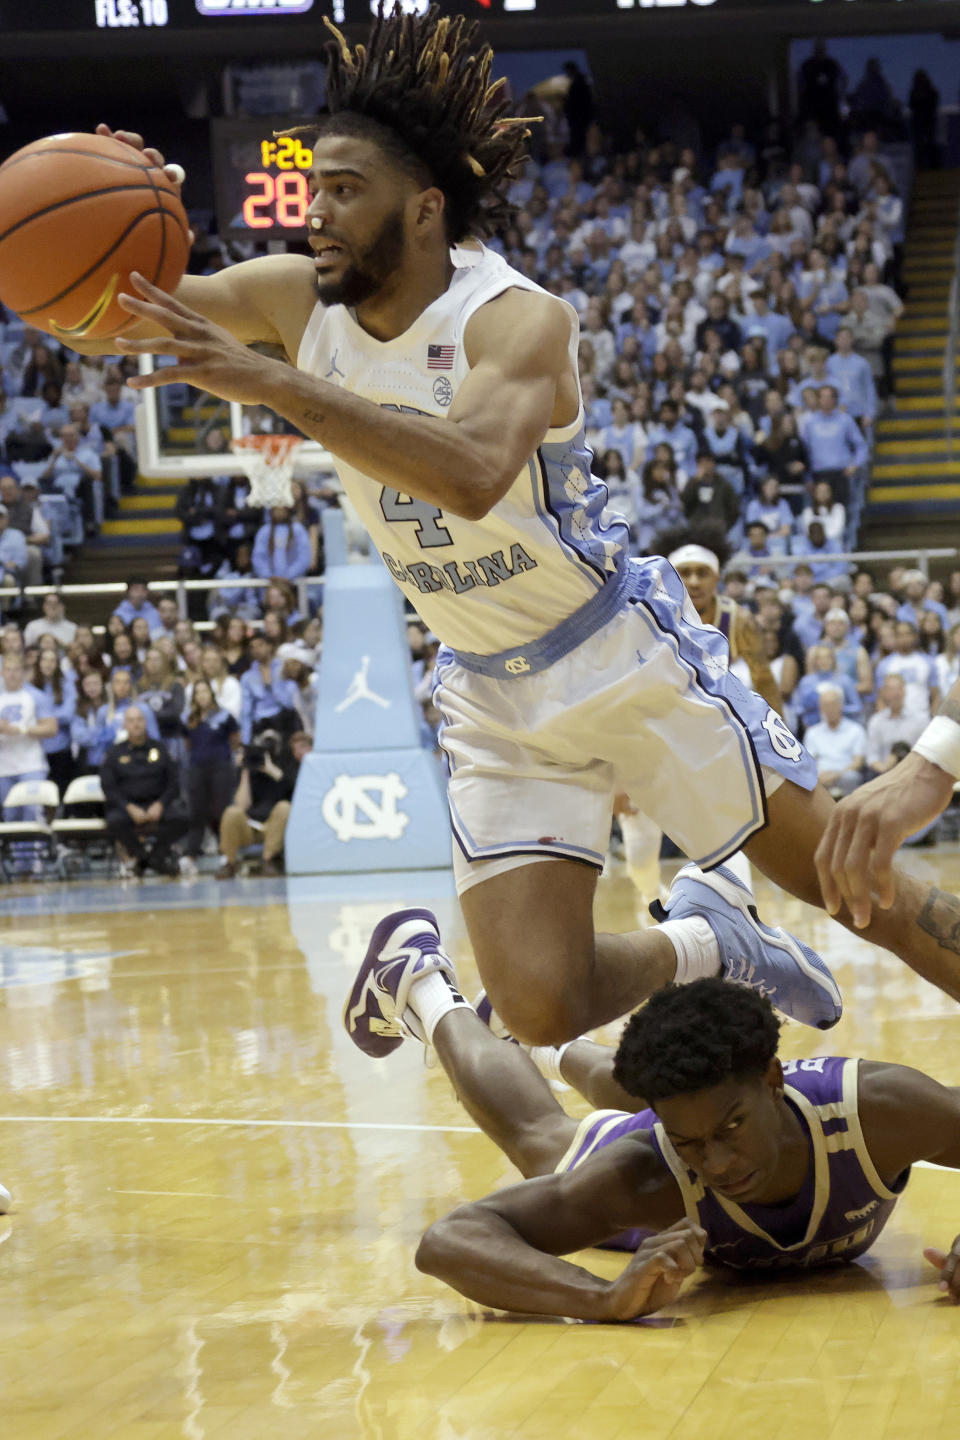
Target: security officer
[143,793]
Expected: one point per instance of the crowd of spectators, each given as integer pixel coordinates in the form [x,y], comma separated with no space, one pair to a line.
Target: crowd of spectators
[861,666]
[736,323]
[736,319]
[196,735]
[68,448]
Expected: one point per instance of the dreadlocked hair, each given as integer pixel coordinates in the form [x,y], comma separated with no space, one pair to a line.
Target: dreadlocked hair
[709,533]
[420,91]
[692,1037]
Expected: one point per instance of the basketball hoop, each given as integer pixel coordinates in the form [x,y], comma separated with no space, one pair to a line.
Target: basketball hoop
[268,462]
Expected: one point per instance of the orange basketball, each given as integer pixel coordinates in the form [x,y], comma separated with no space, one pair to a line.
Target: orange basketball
[78,213]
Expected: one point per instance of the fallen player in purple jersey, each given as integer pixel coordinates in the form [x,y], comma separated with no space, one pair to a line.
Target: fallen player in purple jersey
[742,1161]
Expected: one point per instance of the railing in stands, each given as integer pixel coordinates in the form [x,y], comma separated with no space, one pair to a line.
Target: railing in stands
[950,356]
[181,588]
[921,558]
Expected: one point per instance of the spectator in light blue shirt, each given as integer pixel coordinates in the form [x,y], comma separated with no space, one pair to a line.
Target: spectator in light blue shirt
[73,469]
[621,435]
[756,551]
[136,603]
[837,743]
[55,413]
[835,443]
[775,328]
[817,550]
[823,671]
[60,691]
[264,691]
[680,438]
[282,546]
[13,551]
[745,241]
[915,585]
[810,607]
[236,598]
[853,378]
[770,508]
[116,414]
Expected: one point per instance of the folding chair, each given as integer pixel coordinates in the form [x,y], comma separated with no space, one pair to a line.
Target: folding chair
[28,847]
[88,833]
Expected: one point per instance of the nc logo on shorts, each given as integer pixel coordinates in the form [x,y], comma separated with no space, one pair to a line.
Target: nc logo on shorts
[782,738]
[364,807]
[517,666]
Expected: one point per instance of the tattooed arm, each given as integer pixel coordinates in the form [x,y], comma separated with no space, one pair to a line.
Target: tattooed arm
[854,857]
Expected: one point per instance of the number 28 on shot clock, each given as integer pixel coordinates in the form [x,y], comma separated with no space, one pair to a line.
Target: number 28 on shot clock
[276,194]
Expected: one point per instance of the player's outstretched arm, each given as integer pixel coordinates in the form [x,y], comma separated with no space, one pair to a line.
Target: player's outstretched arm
[751,648]
[907,1116]
[463,462]
[264,301]
[855,856]
[504,1250]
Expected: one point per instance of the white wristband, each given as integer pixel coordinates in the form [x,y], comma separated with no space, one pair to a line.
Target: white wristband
[940,744]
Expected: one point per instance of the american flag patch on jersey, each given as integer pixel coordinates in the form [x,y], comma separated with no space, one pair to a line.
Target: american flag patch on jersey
[440,357]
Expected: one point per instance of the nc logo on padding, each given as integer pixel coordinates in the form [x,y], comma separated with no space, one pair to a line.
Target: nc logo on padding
[364,807]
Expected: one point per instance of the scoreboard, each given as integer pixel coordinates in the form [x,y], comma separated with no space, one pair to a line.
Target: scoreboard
[143,16]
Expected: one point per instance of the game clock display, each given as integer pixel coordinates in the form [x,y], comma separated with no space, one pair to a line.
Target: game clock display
[260,180]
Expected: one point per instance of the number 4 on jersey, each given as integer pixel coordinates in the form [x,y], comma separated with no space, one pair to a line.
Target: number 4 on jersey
[402,509]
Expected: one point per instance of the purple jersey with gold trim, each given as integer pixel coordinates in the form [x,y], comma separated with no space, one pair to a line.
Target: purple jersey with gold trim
[837,1215]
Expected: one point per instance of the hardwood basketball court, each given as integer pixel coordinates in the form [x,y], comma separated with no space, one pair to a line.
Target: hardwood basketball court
[217,1200]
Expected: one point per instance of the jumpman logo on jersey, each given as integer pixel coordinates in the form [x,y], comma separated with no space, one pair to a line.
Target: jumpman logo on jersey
[358,689]
[334,368]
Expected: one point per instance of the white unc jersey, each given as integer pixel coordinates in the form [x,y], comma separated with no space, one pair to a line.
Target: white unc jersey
[549,544]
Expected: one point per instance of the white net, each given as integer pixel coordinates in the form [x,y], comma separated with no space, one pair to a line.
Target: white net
[268,462]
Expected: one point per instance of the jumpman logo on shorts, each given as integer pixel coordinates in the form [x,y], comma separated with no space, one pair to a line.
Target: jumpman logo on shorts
[358,689]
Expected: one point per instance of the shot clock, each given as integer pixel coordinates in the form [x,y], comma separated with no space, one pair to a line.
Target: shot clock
[260,180]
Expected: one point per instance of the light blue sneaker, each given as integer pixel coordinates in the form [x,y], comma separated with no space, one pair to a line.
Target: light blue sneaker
[778,965]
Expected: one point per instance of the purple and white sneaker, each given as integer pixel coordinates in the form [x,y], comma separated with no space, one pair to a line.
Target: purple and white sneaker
[791,975]
[404,946]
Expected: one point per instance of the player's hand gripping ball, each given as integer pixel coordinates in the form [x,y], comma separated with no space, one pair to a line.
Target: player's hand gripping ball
[78,213]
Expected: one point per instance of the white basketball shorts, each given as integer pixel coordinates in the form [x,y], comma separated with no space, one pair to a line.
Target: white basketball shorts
[645,705]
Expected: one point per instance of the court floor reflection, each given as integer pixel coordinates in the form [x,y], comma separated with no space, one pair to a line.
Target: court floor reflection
[218,1199]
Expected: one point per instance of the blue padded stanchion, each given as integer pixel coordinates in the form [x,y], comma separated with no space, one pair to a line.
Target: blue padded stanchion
[369,796]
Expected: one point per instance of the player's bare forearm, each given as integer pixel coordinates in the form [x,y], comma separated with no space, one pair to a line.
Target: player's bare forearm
[478,1253]
[422,456]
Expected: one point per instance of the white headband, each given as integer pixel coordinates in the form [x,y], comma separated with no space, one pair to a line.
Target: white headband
[695,555]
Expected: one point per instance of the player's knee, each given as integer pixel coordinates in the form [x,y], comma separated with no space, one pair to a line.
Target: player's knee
[542,1017]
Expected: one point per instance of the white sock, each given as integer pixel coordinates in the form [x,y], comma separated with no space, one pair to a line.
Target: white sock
[431,997]
[698,955]
[547,1059]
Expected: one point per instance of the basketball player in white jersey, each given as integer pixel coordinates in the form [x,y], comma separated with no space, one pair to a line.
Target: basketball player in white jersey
[445,385]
